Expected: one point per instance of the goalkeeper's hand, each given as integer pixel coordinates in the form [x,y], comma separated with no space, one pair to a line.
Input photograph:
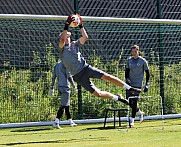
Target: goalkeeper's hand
[146,87]
[51,92]
[80,24]
[69,20]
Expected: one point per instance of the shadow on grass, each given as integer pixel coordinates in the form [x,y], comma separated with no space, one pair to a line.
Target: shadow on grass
[144,125]
[58,141]
[32,129]
[106,128]
[172,122]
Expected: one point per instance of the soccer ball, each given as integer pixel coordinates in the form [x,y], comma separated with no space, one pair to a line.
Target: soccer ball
[76,22]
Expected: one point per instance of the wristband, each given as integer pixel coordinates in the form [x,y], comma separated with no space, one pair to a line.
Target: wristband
[66,27]
[81,26]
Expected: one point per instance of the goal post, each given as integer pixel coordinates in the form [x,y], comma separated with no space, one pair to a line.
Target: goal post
[29,49]
[90,18]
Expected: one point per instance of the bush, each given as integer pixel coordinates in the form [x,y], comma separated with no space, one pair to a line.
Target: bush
[23,92]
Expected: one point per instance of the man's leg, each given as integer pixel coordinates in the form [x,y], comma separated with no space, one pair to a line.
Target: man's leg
[67,112]
[57,119]
[90,72]
[133,102]
[118,82]
[83,78]
[113,79]
[60,112]
[105,94]
[134,107]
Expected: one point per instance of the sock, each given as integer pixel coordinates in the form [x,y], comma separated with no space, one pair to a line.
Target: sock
[115,97]
[132,119]
[57,120]
[127,86]
[139,112]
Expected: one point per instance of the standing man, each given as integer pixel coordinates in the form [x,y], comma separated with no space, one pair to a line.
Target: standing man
[64,78]
[134,74]
[81,71]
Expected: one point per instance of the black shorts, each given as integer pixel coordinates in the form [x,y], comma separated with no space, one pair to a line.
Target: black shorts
[129,94]
[83,77]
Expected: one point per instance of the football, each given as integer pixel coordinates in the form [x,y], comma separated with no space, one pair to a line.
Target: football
[76,22]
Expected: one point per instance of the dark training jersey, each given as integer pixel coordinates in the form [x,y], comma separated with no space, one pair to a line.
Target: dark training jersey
[62,75]
[136,72]
[72,58]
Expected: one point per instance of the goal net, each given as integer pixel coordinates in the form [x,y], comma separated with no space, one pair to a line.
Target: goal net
[29,50]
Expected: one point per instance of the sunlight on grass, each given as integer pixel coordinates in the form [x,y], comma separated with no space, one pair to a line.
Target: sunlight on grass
[147,134]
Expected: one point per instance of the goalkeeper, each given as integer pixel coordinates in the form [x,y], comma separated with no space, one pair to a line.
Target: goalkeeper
[134,74]
[64,80]
[81,71]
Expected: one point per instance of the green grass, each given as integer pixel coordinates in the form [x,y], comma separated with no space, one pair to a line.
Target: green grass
[147,134]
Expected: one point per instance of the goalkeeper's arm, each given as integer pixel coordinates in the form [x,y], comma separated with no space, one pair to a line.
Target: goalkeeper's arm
[63,35]
[51,91]
[127,76]
[72,83]
[83,32]
[84,36]
[147,76]
[147,80]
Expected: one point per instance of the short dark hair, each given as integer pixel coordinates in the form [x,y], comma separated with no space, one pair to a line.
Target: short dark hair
[135,47]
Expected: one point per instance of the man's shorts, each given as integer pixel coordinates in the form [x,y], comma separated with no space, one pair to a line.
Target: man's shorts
[65,95]
[83,77]
[129,94]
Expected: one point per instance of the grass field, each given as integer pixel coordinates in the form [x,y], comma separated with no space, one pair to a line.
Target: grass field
[147,134]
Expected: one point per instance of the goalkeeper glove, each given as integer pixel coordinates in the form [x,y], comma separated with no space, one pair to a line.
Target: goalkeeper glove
[146,87]
[68,22]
